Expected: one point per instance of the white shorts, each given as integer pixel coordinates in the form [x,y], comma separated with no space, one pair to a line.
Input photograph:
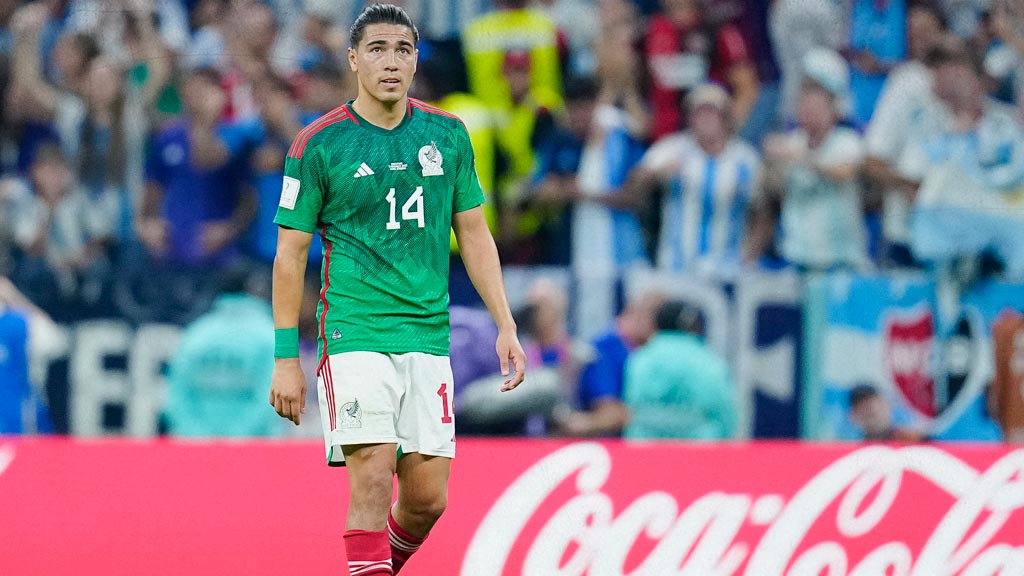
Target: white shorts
[378,398]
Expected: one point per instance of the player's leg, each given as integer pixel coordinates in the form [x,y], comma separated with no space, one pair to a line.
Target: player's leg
[426,430]
[422,498]
[360,399]
[371,472]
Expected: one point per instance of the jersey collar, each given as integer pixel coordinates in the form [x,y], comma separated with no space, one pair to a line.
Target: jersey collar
[364,123]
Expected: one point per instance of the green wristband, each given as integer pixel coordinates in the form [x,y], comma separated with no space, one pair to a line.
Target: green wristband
[286,343]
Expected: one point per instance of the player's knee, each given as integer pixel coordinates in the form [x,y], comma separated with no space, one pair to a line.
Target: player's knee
[372,485]
[429,510]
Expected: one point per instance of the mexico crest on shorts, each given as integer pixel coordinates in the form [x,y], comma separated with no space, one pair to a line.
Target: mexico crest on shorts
[351,415]
[430,159]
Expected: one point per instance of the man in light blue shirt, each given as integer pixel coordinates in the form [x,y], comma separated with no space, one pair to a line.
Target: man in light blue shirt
[220,375]
[675,385]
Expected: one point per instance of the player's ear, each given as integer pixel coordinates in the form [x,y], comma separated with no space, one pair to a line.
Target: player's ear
[352,59]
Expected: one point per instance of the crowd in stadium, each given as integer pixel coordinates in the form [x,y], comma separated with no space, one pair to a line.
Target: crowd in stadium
[142,146]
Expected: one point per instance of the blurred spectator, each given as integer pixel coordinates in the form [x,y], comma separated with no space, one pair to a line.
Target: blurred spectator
[871,412]
[906,106]
[1006,394]
[797,27]
[325,31]
[877,43]
[970,173]
[45,110]
[196,202]
[29,340]
[528,122]
[1001,37]
[599,410]
[817,166]
[713,180]
[62,232]
[110,21]
[685,48]
[608,240]
[675,385]
[511,26]
[554,359]
[542,217]
[753,22]
[219,377]
[578,30]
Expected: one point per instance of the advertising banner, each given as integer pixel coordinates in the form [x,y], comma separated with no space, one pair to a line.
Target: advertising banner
[931,363]
[521,508]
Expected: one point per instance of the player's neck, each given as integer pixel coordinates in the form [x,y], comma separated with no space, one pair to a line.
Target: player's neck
[386,115]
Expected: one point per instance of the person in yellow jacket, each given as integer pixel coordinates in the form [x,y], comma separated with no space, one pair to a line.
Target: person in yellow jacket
[511,27]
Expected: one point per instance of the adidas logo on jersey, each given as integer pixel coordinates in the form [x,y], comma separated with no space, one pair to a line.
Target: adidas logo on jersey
[364,170]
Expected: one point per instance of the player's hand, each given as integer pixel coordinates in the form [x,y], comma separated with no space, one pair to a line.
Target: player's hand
[510,351]
[288,389]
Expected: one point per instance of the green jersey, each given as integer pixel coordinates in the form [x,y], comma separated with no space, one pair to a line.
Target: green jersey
[383,201]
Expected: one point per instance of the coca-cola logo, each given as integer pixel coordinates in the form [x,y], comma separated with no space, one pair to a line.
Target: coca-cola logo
[909,339]
[807,534]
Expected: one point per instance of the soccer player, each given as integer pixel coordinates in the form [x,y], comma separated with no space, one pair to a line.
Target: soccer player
[383,179]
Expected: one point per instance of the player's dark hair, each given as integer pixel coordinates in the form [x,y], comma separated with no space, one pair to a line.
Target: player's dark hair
[380,14]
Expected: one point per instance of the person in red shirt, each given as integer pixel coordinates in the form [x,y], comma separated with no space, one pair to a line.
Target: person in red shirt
[685,48]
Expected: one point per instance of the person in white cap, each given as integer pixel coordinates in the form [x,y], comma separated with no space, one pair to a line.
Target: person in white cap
[816,168]
[712,177]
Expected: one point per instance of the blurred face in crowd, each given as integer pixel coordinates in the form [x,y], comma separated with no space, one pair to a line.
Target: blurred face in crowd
[637,322]
[518,76]
[257,27]
[709,125]
[384,61]
[956,84]
[104,84]
[208,12]
[550,310]
[323,93]
[69,56]
[924,31]
[873,416]
[580,116]
[682,13]
[50,175]
[204,98]
[815,109]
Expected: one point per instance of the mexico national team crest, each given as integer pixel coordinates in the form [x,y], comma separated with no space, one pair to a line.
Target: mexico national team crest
[430,160]
[351,415]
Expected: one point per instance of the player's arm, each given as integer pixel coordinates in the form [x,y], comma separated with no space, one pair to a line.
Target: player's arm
[481,259]
[288,383]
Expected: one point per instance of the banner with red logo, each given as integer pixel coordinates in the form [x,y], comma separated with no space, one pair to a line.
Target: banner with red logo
[521,508]
[932,364]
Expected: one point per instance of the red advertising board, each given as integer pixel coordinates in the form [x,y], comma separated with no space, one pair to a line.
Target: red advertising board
[532,508]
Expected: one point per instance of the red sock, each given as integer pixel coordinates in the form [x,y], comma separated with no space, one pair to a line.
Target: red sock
[368,553]
[403,544]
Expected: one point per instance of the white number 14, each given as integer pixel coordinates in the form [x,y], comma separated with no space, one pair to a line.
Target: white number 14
[411,210]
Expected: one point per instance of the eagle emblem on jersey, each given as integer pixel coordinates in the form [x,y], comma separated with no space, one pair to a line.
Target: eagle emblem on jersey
[430,160]
[351,415]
